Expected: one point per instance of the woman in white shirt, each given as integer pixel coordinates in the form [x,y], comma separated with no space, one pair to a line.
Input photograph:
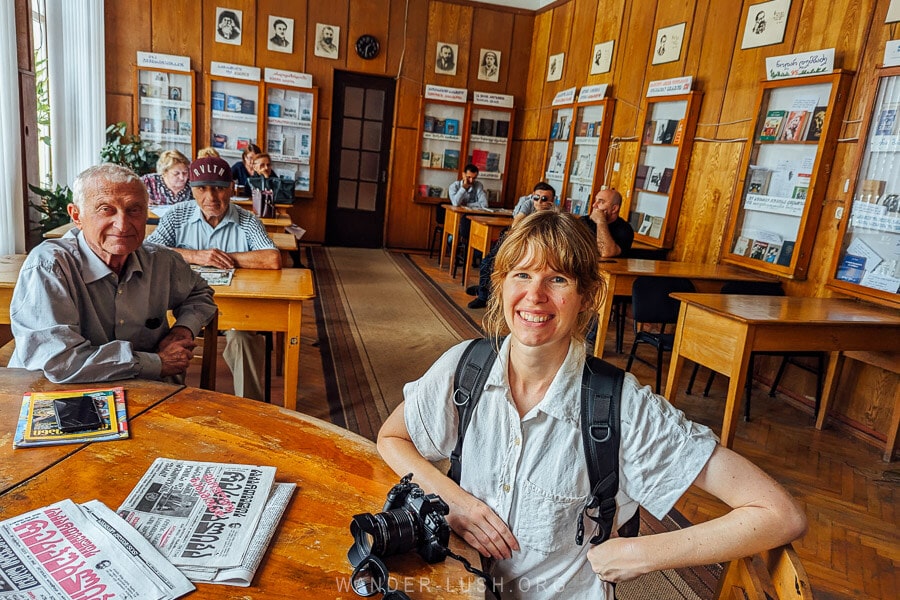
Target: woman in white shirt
[524,478]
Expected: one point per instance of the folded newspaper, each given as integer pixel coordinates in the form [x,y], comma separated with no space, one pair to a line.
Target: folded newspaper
[211,520]
[65,551]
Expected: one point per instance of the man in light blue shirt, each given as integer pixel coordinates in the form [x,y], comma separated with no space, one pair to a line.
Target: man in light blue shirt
[468,191]
[213,232]
[92,306]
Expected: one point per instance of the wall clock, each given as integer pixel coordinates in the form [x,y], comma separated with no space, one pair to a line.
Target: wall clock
[367,47]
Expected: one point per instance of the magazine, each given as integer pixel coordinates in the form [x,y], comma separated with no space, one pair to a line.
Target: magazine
[214,275]
[211,520]
[66,550]
[37,425]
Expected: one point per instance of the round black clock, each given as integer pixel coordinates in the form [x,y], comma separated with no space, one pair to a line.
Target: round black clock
[367,47]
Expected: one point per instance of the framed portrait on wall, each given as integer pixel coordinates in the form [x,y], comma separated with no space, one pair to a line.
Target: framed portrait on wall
[489,65]
[445,61]
[668,44]
[601,59]
[228,25]
[281,34]
[327,40]
[555,67]
[765,23]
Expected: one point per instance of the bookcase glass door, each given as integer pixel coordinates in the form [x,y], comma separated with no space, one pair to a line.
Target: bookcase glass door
[785,154]
[867,258]
[440,147]
[557,154]
[290,121]
[663,134]
[234,116]
[589,148]
[488,148]
[165,109]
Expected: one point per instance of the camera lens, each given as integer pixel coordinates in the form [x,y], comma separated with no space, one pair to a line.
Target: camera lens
[385,534]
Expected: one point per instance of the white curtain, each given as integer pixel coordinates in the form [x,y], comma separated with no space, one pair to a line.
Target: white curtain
[12,218]
[76,47]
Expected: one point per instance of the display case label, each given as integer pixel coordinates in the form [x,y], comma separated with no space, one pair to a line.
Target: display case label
[502,100]
[291,78]
[450,94]
[564,97]
[892,53]
[804,64]
[670,87]
[592,92]
[234,71]
[155,60]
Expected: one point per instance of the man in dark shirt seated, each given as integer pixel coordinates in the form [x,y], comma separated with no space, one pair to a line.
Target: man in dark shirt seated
[92,305]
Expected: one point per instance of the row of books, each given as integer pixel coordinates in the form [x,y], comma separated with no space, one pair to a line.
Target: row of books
[227,102]
[289,105]
[766,251]
[169,126]
[433,124]
[449,159]
[783,182]
[560,128]
[793,125]
[579,206]
[653,179]
[663,131]
[430,191]
[485,160]
[586,129]
[288,142]
[489,127]
[645,224]
[583,166]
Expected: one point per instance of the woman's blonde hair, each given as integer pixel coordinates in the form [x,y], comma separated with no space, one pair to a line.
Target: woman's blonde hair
[553,239]
[208,151]
[169,159]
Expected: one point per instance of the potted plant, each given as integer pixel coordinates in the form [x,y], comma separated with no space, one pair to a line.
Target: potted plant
[129,150]
[53,206]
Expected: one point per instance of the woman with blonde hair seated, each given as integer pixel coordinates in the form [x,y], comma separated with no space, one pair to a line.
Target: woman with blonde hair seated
[169,184]
[207,152]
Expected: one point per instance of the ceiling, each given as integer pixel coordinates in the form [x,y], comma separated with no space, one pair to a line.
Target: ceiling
[527,4]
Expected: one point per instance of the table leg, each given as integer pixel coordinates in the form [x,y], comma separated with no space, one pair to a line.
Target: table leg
[736,382]
[469,254]
[832,374]
[292,354]
[676,361]
[603,313]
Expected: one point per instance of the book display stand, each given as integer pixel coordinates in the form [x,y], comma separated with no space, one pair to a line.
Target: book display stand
[667,137]
[441,149]
[488,141]
[234,121]
[290,126]
[164,108]
[590,143]
[559,149]
[785,169]
[866,261]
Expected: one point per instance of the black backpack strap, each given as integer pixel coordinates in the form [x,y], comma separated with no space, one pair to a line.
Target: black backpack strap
[601,394]
[468,383]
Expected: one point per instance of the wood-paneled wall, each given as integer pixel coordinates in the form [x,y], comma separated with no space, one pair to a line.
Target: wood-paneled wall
[410,30]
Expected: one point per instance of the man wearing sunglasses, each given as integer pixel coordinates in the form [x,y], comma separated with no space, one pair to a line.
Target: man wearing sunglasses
[543,197]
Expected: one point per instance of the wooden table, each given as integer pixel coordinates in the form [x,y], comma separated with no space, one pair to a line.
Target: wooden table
[452,218]
[338,474]
[482,235]
[269,300]
[720,331]
[619,275]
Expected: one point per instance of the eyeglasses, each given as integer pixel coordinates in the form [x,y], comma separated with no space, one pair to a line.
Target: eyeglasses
[539,198]
[370,577]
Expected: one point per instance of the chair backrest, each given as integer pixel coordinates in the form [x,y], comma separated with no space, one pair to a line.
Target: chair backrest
[753,288]
[439,214]
[773,575]
[650,300]
[210,351]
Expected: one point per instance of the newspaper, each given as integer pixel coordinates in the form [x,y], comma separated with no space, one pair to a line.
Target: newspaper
[208,518]
[65,551]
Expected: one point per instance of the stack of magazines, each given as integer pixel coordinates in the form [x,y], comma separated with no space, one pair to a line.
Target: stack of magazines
[38,424]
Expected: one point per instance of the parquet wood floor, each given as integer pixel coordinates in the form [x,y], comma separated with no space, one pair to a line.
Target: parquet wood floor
[851,550]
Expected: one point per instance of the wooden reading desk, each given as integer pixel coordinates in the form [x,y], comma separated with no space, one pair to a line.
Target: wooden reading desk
[338,474]
[619,275]
[720,331]
[482,235]
[452,218]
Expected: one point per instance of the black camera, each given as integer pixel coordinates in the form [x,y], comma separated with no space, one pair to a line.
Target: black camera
[411,520]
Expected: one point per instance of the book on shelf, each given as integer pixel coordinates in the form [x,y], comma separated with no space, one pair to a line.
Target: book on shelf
[428,124]
[799,192]
[274,110]
[248,107]
[493,162]
[426,159]
[479,159]
[649,132]
[473,127]
[275,146]
[219,140]
[451,159]
[665,131]
[665,180]
[591,129]
[816,124]
[654,176]
[147,125]
[742,246]
[233,103]
[887,121]
[786,254]
[439,125]
[772,124]
[759,181]
[794,129]
[451,126]
[635,219]
[852,268]
[437,160]
[644,229]
[233,508]
[679,132]
[565,125]
[758,249]
[772,253]
[554,131]
[640,176]
[656,224]
[169,126]
[486,127]
[582,129]
[38,425]
[289,148]
[242,142]
[502,129]
[184,128]
[291,107]
[218,101]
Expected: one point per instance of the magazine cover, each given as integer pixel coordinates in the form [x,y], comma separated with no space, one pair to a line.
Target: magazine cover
[37,425]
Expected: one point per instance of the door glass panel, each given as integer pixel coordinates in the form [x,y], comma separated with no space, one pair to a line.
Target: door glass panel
[353,102]
[346,194]
[350,136]
[372,136]
[367,194]
[368,168]
[349,164]
[375,104]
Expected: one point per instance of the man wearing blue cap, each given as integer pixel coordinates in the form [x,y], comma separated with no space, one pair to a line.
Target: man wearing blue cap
[215,233]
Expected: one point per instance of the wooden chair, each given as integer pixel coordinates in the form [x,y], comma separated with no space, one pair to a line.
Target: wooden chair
[773,575]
